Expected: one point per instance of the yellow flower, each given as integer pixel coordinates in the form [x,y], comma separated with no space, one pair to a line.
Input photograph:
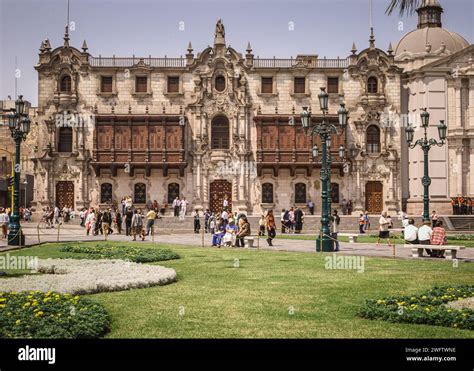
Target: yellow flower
[2,305]
[2,300]
[27,304]
[450,310]
[17,321]
[427,309]
[40,313]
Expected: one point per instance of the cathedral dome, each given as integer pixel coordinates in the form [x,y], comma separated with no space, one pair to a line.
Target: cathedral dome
[430,37]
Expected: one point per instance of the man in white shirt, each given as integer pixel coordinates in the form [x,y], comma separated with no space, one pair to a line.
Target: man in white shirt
[384,233]
[424,233]
[176,206]
[4,221]
[410,233]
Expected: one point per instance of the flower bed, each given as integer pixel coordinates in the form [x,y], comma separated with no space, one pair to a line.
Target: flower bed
[34,314]
[427,308]
[83,276]
[132,253]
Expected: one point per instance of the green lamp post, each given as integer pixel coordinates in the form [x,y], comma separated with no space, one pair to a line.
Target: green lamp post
[324,129]
[426,145]
[19,124]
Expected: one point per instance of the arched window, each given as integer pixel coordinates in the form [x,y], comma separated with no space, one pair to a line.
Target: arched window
[220,133]
[373,139]
[173,192]
[65,139]
[65,85]
[334,193]
[267,193]
[139,194]
[105,193]
[220,83]
[300,193]
[372,85]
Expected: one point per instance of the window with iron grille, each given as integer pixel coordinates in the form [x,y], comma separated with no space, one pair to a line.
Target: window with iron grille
[220,133]
[300,193]
[106,84]
[220,83]
[141,84]
[139,194]
[267,85]
[373,139]
[333,85]
[173,84]
[105,193]
[65,139]
[66,84]
[372,85]
[173,192]
[300,85]
[267,193]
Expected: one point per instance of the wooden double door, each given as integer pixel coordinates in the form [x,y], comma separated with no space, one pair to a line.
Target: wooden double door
[64,194]
[374,197]
[219,190]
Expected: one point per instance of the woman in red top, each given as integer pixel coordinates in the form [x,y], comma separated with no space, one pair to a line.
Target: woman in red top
[438,238]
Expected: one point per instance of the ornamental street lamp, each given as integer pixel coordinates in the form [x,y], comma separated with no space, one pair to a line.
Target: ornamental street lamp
[425,145]
[19,124]
[324,129]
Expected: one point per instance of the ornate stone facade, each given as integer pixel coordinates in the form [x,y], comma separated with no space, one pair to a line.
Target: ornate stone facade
[214,124]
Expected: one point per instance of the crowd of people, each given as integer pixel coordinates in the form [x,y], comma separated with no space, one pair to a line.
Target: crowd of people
[462,205]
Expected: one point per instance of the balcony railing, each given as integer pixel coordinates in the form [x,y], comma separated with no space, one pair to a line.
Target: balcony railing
[131,61]
[311,63]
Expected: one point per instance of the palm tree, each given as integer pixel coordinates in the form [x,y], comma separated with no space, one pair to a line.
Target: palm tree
[404,6]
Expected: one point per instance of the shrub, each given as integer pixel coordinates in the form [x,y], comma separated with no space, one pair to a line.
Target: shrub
[427,308]
[131,253]
[35,314]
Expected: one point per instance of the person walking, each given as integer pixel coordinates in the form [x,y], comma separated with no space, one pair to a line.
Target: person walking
[244,231]
[384,232]
[90,222]
[137,225]
[150,220]
[4,222]
[207,216]
[271,227]
[361,223]
[438,237]
[311,207]
[335,221]
[299,217]
[367,221]
[197,222]
[106,222]
[176,207]
[283,219]
[128,221]
[118,221]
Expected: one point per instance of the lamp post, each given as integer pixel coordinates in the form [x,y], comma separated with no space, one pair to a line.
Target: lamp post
[324,129]
[19,124]
[426,145]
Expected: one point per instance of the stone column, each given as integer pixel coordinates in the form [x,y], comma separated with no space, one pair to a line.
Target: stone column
[471,169]
[459,174]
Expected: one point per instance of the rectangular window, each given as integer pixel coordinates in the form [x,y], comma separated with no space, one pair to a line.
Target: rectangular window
[65,139]
[267,85]
[173,84]
[141,84]
[300,85]
[333,85]
[106,84]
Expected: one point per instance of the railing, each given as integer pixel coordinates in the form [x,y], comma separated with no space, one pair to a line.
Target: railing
[131,61]
[311,63]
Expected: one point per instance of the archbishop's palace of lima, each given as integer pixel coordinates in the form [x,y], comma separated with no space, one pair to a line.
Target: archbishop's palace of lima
[226,123]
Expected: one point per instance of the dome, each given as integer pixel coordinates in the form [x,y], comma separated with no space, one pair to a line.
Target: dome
[417,40]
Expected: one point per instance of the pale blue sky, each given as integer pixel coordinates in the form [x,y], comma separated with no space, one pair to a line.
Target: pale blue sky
[143,27]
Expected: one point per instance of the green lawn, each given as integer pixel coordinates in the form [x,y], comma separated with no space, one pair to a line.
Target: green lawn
[219,300]
[394,237]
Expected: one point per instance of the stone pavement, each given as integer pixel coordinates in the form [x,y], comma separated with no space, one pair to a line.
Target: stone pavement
[77,233]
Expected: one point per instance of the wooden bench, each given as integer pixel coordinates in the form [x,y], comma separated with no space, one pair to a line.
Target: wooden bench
[451,250]
[248,241]
[351,236]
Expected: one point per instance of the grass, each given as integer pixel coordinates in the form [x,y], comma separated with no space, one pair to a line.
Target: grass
[368,239]
[215,299]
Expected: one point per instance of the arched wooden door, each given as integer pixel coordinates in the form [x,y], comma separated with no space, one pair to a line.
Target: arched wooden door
[64,194]
[218,190]
[374,197]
